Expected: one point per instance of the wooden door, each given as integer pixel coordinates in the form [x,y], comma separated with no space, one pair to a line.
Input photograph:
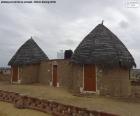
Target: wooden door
[89,77]
[14,74]
[54,75]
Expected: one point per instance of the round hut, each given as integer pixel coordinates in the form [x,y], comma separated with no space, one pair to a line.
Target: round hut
[25,63]
[106,63]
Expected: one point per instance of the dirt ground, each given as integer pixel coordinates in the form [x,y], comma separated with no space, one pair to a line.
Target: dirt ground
[7,109]
[113,105]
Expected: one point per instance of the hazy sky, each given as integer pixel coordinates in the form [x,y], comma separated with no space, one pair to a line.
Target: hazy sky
[64,24]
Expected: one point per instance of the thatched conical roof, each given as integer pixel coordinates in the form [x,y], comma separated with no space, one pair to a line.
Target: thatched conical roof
[28,53]
[103,47]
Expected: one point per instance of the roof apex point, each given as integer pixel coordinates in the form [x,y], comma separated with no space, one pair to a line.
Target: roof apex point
[31,37]
[102,22]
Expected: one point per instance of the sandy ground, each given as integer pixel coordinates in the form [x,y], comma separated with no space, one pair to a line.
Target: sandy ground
[100,103]
[7,109]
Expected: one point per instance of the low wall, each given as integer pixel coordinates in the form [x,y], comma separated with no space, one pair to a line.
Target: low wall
[4,77]
[135,91]
[135,83]
[56,109]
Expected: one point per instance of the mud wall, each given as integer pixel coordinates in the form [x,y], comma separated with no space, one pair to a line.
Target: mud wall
[69,74]
[28,73]
[114,82]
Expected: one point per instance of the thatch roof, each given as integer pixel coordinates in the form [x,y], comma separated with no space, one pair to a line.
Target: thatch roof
[28,53]
[103,47]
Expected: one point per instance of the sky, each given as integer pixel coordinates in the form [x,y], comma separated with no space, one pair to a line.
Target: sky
[63,25]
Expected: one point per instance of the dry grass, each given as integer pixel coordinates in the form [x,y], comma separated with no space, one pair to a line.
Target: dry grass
[61,95]
[7,109]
